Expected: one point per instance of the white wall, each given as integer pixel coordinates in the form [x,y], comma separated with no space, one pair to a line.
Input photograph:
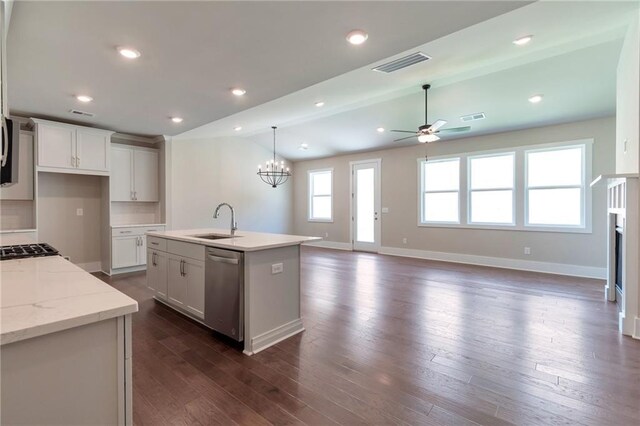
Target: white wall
[399,193]
[628,104]
[206,172]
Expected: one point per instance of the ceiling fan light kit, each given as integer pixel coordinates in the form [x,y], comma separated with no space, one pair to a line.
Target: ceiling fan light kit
[428,132]
[274,173]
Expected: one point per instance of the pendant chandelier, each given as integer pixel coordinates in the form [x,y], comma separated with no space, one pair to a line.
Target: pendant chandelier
[274,174]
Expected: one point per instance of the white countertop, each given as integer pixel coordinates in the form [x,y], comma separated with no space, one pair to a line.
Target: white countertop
[242,241]
[43,295]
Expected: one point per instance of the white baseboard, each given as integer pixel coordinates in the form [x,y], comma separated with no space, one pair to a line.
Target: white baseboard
[330,244]
[271,337]
[129,269]
[636,332]
[499,262]
[91,266]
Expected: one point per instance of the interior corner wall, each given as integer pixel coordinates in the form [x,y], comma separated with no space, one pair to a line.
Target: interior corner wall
[400,194]
[79,237]
[628,102]
[207,172]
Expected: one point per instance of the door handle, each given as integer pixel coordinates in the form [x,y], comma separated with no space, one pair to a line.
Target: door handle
[182,273]
[5,143]
[223,259]
[153,259]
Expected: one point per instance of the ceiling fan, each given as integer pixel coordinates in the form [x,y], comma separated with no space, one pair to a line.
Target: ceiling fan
[429,132]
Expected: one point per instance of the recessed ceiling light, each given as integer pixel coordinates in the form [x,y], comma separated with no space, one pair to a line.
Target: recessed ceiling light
[237,128]
[319,104]
[129,52]
[238,91]
[535,99]
[303,147]
[84,98]
[522,40]
[380,129]
[357,37]
[176,119]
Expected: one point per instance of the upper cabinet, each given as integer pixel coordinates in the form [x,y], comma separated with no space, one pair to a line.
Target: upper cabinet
[65,148]
[135,173]
[23,189]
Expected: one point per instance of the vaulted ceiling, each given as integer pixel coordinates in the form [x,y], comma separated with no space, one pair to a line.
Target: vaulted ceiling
[194,52]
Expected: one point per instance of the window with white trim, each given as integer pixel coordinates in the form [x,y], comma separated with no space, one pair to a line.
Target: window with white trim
[491,184]
[321,195]
[555,186]
[540,188]
[440,191]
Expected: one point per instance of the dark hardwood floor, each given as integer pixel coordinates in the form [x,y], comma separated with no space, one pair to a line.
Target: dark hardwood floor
[391,340]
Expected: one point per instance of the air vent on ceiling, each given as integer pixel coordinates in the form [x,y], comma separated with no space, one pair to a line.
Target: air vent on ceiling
[398,64]
[83,113]
[473,117]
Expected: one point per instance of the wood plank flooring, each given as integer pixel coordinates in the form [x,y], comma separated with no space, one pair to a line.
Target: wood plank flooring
[392,341]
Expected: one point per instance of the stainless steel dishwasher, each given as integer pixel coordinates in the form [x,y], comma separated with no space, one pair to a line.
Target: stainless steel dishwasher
[224,292]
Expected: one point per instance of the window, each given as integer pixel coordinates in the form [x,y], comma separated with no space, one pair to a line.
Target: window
[491,181]
[440,184]
[555,186]
[321,195]
[541,188]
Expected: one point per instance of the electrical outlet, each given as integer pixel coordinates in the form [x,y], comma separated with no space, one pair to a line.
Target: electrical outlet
[385,210]
[277,268]
[79,212]
[326,235]
[625,145]
[404,241]
[527,250]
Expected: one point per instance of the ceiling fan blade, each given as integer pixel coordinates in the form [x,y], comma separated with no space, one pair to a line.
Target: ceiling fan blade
[403,131]
[402,139]
[455,130]
[436,125]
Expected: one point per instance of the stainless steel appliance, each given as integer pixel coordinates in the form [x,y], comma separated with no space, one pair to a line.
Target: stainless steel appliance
[9,152]
[224,292]
[27,250]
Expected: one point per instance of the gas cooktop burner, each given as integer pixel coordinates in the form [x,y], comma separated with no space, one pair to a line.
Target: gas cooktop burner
[27,250]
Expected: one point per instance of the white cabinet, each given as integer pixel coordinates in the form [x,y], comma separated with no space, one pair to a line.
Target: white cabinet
[65,148]
[185,284]
[129,246]
[183,267]
[157,262]
[23,189]
[135,174]
[126,252]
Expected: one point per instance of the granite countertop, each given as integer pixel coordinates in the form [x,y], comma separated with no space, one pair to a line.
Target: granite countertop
[43,295]
[242,241]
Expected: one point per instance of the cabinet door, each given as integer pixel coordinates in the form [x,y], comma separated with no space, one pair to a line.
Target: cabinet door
[194,274]
[124,252]
[92,150]
[157,273]
[142,250]
[56,146]
[145,178]
[121,174]
[176,282]
[23,190]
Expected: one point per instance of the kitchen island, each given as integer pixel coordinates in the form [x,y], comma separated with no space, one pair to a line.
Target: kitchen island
[65,345]
[245,286]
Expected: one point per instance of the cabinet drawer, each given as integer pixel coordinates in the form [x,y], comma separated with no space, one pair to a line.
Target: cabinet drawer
[157,243]
[193,251]
[152,229]
[123,232]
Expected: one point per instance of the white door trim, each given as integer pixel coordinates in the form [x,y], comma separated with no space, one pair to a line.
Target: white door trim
[378,202]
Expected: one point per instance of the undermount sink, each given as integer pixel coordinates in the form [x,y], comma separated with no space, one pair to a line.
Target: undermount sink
[214,236]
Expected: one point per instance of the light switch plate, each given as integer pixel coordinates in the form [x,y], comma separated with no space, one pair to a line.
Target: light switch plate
[385,210]
[79,212]
[277,268]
